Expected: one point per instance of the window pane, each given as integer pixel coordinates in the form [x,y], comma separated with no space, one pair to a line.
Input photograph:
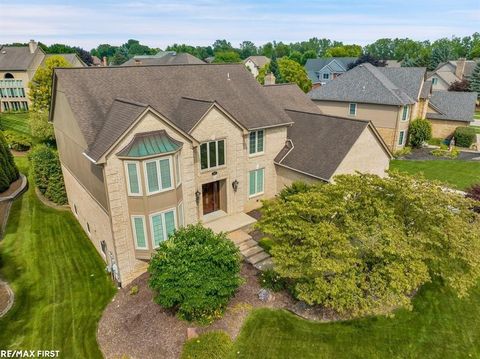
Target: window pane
[221,153]
[165,174]
[203,156]
[213,154]
[253,147]
[152,176]
[133,178]
[170,222]
[139,232]
[400,138]
[260,141]
[260,180]
[353,108]
[251,186]
[405,113]
[157,227]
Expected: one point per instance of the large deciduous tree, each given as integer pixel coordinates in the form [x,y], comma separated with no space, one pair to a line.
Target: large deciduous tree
[365,244]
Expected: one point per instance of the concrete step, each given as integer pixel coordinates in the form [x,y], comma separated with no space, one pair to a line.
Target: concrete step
[246,245]
[252,251]
[258,257]
[239,237]
[267,263]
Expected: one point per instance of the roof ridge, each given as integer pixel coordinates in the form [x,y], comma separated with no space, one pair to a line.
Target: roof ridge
[138,66]
[384,80]
[332,116]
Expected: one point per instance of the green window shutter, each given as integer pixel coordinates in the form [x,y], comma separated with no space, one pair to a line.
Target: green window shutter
[212,148]
[221,153]
[253,147]
[165,174]
[139,232]
[260,141]
[260,180]
[203,156]
[170,222]
[251,187]
[133,178]
[152,176]
[157,229]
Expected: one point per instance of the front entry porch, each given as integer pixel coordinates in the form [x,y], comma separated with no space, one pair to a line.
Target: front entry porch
[221,222]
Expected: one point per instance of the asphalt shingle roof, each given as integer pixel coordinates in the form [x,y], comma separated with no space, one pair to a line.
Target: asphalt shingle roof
[454,106]
[15,58]
[165,59]
[378,85]
[106,100]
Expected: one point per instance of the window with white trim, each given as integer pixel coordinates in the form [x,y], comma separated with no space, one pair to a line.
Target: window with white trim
[434,80]
[405,113]
[158,175]
[256,182]
[352,109]
[133,179]
[256,142]
[401,137]
[212,154]
[139,232]
[162,225]
[326,76]
[178,169]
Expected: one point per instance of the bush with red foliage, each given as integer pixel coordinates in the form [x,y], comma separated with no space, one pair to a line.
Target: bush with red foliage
[474,193]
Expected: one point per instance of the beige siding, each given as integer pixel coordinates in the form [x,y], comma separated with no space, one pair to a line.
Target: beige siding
[286,176]
[443,129]
[366,156]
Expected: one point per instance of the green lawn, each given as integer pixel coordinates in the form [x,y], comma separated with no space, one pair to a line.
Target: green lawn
[459,174]
[477,115]
[440,326]
[58,278]
[15,121]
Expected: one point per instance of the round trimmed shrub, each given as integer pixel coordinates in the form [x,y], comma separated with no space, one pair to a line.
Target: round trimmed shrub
[464,136]
[420,131]
[211,345]
[195,272]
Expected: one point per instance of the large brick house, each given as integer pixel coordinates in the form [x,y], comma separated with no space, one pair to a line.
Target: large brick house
[147,149]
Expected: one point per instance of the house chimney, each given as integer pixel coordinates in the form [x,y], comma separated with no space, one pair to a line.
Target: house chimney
[269,79]
[32,45]
[104,61]
[460,69]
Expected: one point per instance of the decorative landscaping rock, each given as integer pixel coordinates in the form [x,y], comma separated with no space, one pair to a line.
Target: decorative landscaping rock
[6,298]
[265,295]
[192,333]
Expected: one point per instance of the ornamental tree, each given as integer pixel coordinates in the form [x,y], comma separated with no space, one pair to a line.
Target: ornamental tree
[365,244]
[196,272]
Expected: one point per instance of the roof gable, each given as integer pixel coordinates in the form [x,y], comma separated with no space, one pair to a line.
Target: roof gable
[451,105]
[17,58]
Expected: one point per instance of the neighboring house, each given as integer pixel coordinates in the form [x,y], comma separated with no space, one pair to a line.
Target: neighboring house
[448,72]
[18,65]
[147,149]
[164,58]
[388,96]
[255,63]
[448,110]
[73,59]
[323,70]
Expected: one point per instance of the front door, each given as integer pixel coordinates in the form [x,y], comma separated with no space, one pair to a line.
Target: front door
[211,197]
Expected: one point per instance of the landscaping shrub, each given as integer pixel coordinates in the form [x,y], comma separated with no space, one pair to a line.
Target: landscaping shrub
[474,193]
[435,141]
[272,280]
[266,243]
[365,244]
[464,136]
[294,188]
[444,151]
[47,173]
[8,169]
[211,345]
[403,152]
[196,272]
[420,131]
[17,141]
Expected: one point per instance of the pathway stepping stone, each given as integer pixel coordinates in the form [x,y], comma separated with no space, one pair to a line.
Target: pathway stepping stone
[250,250]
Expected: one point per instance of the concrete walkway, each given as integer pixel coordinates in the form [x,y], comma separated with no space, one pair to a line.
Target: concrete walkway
[250,250]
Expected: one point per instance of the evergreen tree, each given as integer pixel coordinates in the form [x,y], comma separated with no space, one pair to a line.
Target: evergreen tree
[475,80]
[274,69]
[8,169]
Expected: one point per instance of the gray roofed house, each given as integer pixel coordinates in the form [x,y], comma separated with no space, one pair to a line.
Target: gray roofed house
[255,63]
[145,150]
[164,58]
[325,69]
[448,72]
[453,106]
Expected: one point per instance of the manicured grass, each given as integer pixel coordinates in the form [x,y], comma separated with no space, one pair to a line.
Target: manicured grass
[476,128]
[458,174]
[440,326]
[59,281]
[477,115]
[15,121]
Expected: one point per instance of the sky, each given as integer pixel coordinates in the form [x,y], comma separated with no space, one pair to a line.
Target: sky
[87,23]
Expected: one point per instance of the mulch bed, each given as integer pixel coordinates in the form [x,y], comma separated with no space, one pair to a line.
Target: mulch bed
[13,187]
[423,154]
[135,326]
